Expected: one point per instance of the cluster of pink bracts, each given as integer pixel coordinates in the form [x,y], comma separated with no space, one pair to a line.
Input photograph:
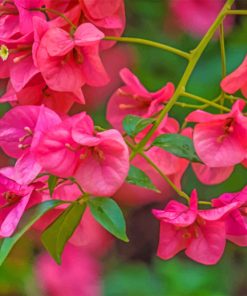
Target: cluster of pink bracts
[50,50]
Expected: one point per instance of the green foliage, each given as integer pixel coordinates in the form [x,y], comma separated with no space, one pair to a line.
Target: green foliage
[55,237]
[139,178]
[27,220]
[135,124]
[52,182]
[107,212]
[178,145]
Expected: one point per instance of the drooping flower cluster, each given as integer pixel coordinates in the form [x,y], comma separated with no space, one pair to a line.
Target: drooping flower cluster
[50,51]
[44,44]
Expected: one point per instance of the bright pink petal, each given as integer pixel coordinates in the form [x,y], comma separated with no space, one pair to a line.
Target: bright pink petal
[208,246]
[57,42]
[87,34]
[214,146]
[57,152]
[236,80]
[211,176]
[104,169]
[11,221]
[171,241]
[177,214]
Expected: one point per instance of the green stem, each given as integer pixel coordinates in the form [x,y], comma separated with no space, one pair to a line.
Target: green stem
[210,103]
[223,59]
[236,12]
[222,50]
[150,43]
[58,13]
[174,187]
[196,54]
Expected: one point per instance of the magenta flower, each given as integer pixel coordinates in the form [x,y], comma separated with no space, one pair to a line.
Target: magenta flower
[205,174]
[236,80]
[236,221]
[220,140]
[14,200]
[36,92]
[108,16]
[204,13]
[79,274]
[75,59]
[16,18]
[20,131]
[201,233]
[98,160]
[133,98]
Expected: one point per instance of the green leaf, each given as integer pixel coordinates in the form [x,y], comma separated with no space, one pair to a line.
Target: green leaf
[178,145]
[139,178]
[135,124]
[27,220]
[52,182]
[59,232]
[107,212]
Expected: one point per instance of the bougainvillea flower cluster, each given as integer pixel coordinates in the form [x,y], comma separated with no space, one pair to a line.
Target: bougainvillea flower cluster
[68,177]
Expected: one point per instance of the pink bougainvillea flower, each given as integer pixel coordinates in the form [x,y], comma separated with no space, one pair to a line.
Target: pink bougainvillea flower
[236,221]
[205,174]
[204,13]
[212,176]
[75,59]
[220,140]
[20,131]
[201,233]
[16,18]
[108,16]
[36,92]
[133,98]
[26,14]
[79,274]
[14,200]
[98,160]
[236,80]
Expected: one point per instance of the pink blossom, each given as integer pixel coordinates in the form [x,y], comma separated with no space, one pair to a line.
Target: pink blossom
[236,221]
[79,274]
[20,131]
[36,92]
[236,80]
[201,233]
[14,200]
[133,98]
[204,13]
[220,140]
[108,16]
[16,18]
[205,174]
[98,160]
[75,59]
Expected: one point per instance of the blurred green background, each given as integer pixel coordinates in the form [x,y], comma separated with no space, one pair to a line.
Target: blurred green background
[133,269]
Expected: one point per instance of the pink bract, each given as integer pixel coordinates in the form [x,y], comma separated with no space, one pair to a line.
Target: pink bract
[220,140]
[14,200]
[200,232]
[98,160]
[79,274]
[135,99]
[75,59]
[20,131]
[236,80]
[204,13]
[236,221]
